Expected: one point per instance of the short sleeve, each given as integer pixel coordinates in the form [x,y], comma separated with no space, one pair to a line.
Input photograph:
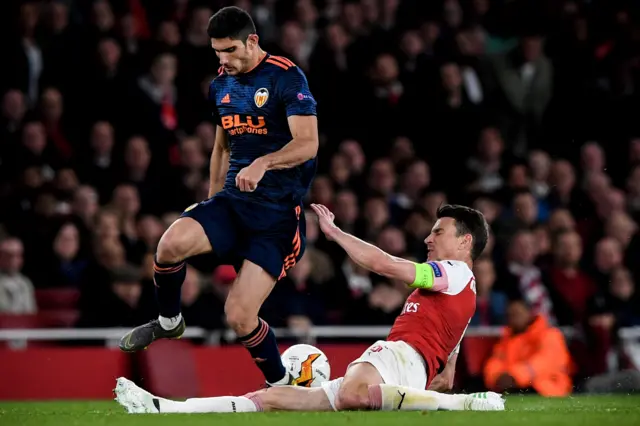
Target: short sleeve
[293,89]
[215,115]
[451,276]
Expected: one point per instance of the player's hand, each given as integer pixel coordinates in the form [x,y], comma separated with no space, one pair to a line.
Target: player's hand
[442,383]
[325,220]
[248,178]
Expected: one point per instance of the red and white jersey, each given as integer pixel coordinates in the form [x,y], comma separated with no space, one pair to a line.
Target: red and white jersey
[434,321]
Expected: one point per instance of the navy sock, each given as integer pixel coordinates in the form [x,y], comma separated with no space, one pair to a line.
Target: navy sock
[168,278]
[263,348]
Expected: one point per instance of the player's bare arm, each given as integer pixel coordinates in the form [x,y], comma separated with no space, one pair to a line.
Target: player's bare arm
[443,382]
[364,254]
[303,147]
[219,164]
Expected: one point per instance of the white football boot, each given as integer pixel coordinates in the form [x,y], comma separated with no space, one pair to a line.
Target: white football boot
[135,399]
[484,401]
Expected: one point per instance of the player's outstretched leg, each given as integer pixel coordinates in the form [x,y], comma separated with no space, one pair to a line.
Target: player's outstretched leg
[364,389]
[391,397]
[286,398]
[245,298]
[184,238]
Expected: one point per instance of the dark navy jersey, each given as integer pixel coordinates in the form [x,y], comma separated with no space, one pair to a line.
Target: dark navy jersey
[253,108]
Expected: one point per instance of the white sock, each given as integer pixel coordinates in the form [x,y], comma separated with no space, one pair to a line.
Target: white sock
[169,323]
[221,404]
[390,397]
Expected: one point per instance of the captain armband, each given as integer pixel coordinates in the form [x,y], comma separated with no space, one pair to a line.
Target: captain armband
[424,276]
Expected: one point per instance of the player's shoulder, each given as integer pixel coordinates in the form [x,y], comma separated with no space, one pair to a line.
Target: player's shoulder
[282,69]
[220,77]
[455,271]
[218,81]
[279,64]
[450,264]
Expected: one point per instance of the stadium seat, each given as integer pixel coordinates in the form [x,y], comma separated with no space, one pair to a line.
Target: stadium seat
[58,318]
[19,321]
[57,298]
[167,368]
[476,351]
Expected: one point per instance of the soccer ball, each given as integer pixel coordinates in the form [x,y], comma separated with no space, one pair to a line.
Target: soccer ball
[307,364]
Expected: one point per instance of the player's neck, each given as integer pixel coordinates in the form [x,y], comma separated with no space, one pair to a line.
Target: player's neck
[259,56]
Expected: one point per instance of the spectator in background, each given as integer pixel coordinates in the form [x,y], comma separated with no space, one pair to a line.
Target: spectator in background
[486,165]
[149,229]
[156,107]
[346,210]
[633,191]
[25,54]
[35,150]
[352,150]
[563,187]
[67,265]
[522,279]
[522,215]
[322,269]
[532,355]
[592,158]
[84,209]
[402,151]
[117,305]
[625,303]
[13,112]
[16,290]
[416,228]
[376,216]
[53,119]
[382,178]
[608,257]
[525,77]
[540,166]
[100,169]
[491,304]
[126,203]
[414,182]
[200,306]
[571,286]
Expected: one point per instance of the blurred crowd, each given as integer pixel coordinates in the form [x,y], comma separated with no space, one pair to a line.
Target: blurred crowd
[522,109]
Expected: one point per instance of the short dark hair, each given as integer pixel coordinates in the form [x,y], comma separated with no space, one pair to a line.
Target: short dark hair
[468,221]
[231,22]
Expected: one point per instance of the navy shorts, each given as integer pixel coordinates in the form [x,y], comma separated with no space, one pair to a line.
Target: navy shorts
[273,239]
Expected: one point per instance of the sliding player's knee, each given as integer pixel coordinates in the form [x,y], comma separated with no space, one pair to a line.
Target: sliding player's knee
[353,397]
[182,240]
[263,400]
[241,320]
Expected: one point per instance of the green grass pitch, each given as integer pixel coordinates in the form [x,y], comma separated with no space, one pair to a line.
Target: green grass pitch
[525,411]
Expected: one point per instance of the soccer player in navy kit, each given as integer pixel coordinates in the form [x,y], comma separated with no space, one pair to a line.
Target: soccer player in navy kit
[262,164]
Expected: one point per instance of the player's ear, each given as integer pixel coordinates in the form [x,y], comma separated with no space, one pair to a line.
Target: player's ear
[252,41]
[466,242]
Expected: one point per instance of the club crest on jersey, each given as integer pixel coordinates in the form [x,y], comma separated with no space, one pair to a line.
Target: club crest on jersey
[261,97]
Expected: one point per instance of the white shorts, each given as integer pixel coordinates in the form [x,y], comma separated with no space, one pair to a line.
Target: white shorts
[397,362]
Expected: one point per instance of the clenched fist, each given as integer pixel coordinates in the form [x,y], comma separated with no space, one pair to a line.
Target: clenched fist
[248,178]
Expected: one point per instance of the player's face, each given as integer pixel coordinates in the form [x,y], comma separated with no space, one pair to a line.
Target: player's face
[234,55]
[444,243]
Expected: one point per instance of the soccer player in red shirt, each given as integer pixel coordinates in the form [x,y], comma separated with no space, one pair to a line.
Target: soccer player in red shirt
[417,359]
